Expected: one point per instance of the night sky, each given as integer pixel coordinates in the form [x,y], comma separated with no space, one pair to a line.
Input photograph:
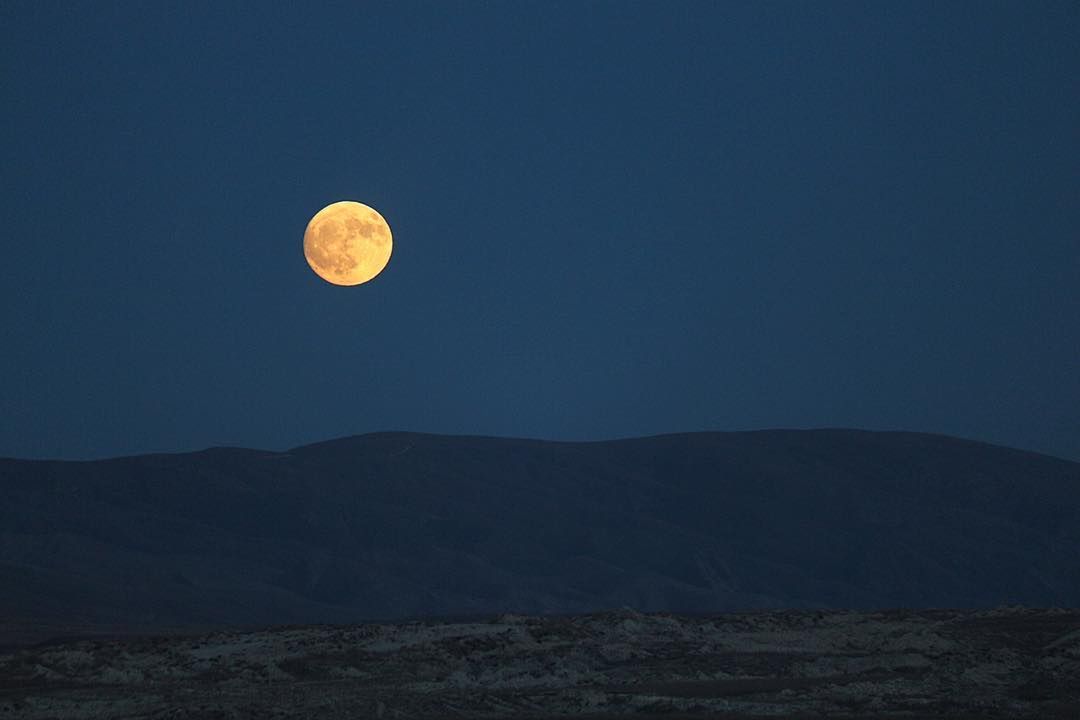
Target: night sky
[610,220]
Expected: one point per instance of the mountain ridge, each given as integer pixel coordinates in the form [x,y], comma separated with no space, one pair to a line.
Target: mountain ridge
[397,524]
[547,441]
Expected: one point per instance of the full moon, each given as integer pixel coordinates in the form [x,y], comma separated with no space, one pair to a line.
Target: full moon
[347,243]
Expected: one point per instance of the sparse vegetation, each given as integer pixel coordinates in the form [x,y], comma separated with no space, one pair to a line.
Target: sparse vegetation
[1005,663]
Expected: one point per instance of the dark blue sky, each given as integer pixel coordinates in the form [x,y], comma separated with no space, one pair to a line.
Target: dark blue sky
[610,219]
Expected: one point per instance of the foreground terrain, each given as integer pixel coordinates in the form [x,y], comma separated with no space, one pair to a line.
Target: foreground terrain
[1010,662]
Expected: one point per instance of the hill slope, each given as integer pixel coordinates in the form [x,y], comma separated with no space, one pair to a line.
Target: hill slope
[395,524]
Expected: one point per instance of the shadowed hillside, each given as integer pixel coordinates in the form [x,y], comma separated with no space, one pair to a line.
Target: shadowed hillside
[395,525]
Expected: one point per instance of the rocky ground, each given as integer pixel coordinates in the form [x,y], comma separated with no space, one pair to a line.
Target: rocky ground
[1009,663]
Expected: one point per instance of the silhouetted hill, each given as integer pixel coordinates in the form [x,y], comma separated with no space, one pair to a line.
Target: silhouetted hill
[394,525]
